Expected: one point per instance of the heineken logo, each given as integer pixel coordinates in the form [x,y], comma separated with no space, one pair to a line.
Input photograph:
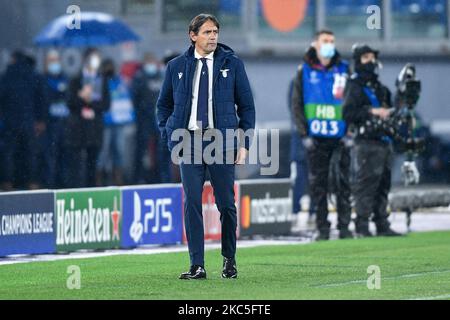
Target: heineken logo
[81,223]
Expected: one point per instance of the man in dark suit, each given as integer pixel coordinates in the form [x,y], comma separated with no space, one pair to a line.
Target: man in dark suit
[199,94]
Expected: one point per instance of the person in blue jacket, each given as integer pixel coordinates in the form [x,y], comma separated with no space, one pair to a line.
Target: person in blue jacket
[57,155]
[199,94]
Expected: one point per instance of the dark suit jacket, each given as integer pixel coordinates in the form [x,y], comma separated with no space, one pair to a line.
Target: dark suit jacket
[174,102]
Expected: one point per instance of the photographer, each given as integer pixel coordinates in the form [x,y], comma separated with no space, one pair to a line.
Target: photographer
[366,106]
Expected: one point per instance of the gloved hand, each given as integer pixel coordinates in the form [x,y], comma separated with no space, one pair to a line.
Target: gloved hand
[410,173]
[308,143]
[293,175]
[347,141]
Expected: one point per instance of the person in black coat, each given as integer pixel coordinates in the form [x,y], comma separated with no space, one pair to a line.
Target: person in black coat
[88,98]
[366,103]
[23,111]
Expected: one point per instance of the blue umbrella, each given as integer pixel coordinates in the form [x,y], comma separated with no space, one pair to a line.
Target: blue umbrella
[96,29]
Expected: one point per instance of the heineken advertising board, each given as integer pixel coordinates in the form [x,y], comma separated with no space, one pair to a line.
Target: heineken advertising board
[88,219]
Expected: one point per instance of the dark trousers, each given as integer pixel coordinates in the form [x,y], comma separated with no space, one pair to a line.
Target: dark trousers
[300,186]
[83,166]
[193,177]
[165,164]
[20,156]
[372,183]
[57,156]
[319,160]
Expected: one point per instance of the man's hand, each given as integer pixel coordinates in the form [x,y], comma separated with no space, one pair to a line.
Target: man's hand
[308,143]
[383,113]
[86,93]
[241,156]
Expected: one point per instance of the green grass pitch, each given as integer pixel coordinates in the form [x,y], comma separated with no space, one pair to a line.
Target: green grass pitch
[415,266]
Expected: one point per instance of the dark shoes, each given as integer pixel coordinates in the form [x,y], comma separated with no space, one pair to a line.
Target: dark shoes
[384,232]
[229,268]
[363,233]
[198,272]
[323,235]
[195,273]
[388,232]
[345,234]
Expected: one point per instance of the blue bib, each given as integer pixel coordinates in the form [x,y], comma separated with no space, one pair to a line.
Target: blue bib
[58,109]
[323,96]
[121,110]
[376,104]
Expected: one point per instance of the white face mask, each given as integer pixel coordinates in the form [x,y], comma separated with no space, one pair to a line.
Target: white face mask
[327,50]
[151,68]
[94,62]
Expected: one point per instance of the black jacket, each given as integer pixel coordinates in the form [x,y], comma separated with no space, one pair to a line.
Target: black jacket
[145,91]
[81,132]
[297,101]
[22,97]
[357,105]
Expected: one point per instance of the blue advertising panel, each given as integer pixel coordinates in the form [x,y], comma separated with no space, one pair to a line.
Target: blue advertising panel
[152,215]
[27,223]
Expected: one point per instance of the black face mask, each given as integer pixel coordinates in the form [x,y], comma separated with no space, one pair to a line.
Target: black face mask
[108,72]
[367,71]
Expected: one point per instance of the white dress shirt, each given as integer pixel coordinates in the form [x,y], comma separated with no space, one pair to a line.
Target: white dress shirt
[193,125]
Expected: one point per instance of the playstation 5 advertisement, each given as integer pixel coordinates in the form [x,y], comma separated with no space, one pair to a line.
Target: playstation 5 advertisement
[152,216]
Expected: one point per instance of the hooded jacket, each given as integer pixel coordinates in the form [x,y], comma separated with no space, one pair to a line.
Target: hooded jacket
[297,99]
[230,87]
[357,104]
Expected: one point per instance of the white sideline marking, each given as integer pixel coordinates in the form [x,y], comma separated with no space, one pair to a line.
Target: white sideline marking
[446,296]
[142,251]
[429,221]
[411,275]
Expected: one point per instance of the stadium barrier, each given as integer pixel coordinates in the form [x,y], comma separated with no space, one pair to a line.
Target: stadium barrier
[54,221]
[57,221]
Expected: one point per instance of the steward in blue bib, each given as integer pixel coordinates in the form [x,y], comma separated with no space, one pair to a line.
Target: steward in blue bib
[317,109]
[317,97]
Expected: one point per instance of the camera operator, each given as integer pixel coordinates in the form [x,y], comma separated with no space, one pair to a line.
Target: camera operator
[366,106]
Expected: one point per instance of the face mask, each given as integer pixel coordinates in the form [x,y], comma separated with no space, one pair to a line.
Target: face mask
[327,50]
[370,68]
[150,69]
[54,68]
[94,62]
